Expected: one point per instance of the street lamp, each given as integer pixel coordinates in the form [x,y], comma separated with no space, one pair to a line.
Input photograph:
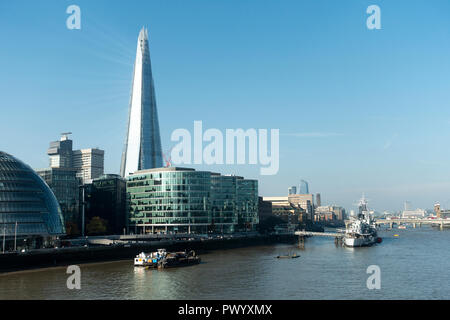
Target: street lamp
[83,208]
[4,237]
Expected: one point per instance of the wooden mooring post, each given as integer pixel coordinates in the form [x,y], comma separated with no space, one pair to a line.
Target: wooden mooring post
[301,242]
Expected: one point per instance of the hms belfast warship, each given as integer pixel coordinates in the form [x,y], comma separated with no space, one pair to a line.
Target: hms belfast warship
[362,230]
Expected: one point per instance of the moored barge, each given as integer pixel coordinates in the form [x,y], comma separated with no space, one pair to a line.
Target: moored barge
[162,259]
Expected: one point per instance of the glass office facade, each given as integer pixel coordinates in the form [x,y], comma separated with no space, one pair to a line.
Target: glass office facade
[185,200]
[106,198]
[65,185]
[223,203]
[247,204]
[28,208]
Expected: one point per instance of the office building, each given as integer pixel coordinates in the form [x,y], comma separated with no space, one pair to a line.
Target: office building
[185,200]
[407,206]
[304,201]
[304,188]
[106,198]
[339,212]
[264,209]
[418,213]
[60,152]
[68,170]
[291,212]
[246,203]
[29,212]
[142,148]
[223,200]
[318,200]
[292,190]
[64,184]
[324,213]
[329,213]
[89,164]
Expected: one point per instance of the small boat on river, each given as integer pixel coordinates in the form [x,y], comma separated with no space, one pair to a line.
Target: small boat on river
[293,256]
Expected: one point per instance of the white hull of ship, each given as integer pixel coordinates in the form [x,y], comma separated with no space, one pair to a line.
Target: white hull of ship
[359,242]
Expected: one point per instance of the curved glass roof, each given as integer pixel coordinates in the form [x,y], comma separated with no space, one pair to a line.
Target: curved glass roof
[27,200]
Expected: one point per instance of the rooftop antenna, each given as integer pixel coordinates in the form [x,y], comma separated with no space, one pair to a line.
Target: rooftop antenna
[65,136]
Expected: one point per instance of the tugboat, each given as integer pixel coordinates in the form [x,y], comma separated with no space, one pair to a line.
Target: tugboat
[362,231]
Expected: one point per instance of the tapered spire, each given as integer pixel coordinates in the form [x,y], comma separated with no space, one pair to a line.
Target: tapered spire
[142,149]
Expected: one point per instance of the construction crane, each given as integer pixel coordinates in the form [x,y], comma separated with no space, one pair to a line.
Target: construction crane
[167,160]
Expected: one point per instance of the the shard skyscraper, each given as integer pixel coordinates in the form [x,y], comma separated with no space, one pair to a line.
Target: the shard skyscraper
[142,149]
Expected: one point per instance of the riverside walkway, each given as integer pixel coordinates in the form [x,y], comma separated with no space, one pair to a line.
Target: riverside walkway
[320,234]
[338,236]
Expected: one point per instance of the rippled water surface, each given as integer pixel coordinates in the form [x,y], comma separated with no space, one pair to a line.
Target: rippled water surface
[415,265]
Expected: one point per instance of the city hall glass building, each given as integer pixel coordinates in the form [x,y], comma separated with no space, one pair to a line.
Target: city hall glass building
[184,200]
[29,212]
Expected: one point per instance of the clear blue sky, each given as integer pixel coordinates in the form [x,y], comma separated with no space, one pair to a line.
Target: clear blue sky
[358,110]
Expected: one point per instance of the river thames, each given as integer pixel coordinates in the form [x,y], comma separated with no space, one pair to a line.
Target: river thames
[414,265]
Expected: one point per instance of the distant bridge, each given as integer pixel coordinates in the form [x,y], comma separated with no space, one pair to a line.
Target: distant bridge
[414,222]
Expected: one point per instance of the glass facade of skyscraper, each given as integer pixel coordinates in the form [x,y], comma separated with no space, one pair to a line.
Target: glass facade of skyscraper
[185,200]
[106,198]
[142,149]
[304,188]
[28,208]
[65,186]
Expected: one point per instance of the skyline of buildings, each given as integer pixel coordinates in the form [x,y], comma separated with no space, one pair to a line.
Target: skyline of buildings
[142,148]
[186,200]
[297,209]
[68,170]
[355,111]
[88,163]
[345,121]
